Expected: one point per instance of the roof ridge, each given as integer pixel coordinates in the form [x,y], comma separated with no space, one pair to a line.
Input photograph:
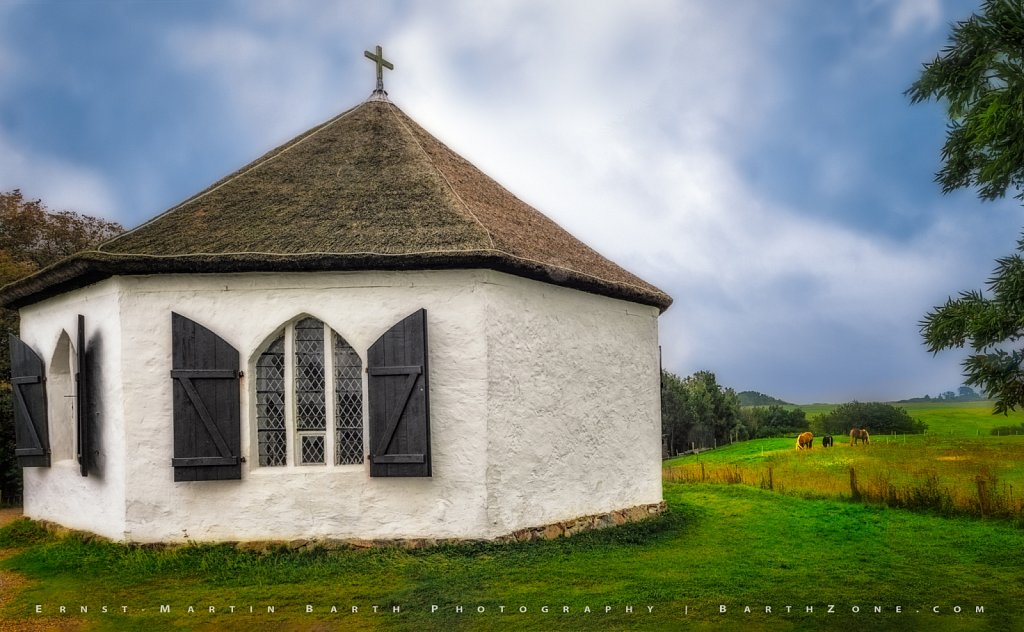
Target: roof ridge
[490,237]
[294,142]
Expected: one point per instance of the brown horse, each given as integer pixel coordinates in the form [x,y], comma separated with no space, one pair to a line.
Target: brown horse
[805,440]
[858,433]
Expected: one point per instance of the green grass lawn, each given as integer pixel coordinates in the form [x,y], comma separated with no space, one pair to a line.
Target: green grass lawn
[737,546]
[720,545]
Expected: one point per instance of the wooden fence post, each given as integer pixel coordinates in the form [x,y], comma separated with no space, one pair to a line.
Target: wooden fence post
[771,483]
[853,484]
[984,501]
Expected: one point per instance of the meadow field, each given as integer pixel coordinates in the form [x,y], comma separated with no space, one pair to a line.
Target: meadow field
[961,419]
[725,557]
[957,467]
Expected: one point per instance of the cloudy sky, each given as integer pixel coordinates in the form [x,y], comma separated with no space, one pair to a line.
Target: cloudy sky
[755,159]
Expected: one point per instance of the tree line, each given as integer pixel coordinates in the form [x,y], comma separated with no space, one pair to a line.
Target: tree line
[697,412]
[964,394]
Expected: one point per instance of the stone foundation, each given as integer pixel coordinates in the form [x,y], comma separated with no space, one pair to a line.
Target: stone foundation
[585,523]
[562,529]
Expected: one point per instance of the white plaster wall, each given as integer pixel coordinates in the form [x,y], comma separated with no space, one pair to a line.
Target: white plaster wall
[307,501]
[60,493]
[544,407]
[573,416]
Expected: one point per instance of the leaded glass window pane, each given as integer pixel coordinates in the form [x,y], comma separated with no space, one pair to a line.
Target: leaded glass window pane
[307,415]
[310,400]
[348,403]
[312,448]
[270,405]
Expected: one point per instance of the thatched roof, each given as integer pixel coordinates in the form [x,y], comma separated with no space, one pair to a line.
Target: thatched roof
[367,190]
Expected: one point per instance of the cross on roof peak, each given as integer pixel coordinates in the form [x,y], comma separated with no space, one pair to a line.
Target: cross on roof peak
[378,59]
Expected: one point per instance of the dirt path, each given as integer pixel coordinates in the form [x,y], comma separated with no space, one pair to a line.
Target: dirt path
[9,514]
[13,583]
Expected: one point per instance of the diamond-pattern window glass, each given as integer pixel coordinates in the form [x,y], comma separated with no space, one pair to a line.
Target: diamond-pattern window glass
[312,448]
[348,404]
[307,414]
[310,400]
[270,405]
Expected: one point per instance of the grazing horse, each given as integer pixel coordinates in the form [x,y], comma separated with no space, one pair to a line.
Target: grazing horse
[805,440]
[858,433]
[826,441]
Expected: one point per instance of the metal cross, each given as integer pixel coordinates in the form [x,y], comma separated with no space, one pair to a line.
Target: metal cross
[381,65]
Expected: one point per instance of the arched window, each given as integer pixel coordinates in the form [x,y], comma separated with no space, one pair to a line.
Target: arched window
[294,424]
[270,425]
[60,391]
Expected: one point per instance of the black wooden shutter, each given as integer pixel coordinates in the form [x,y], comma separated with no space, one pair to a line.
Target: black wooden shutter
[32,437]
[84,445]
[399,402]
[207,418]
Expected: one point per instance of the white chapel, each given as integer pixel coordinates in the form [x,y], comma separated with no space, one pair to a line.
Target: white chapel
[356,336]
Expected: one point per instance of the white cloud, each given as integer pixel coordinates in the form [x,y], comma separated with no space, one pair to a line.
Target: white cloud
[61,185]
[646,171]
[282,67]
[910,14]
[267,83]
[624,122]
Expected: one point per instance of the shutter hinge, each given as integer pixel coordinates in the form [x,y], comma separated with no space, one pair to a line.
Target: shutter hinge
[241,374]
[242,459]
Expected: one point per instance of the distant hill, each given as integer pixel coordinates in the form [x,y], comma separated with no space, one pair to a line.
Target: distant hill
[753,398]
[965,394]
